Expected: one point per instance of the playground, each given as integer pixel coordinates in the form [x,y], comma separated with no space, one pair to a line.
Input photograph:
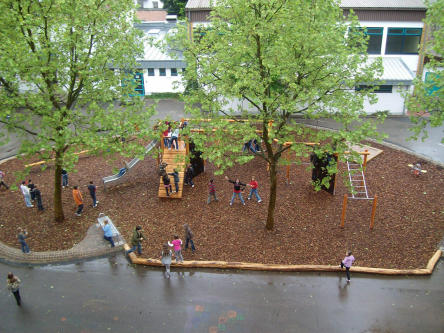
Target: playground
[408,221]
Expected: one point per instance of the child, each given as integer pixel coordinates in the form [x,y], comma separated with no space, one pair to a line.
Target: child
[31,187]
[236,190]
[189,237]
[189,174]
[136,241]
[166,138]
[64,178]
[177,244]
[167,184]
[174,137]
[92,192]
[347,263]
[78,200]
[175,174]
[26,194]
[253,184]
[13,286]
[166,259]
[211,191]
[2,177]
[22,235]
[38,198]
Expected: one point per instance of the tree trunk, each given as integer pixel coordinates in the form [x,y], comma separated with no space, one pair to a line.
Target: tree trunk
[272,202]
[58,207]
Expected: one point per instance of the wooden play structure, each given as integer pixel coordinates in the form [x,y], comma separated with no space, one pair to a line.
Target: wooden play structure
[175,159]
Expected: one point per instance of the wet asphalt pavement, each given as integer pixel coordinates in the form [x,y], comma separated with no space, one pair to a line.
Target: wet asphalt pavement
[110,295]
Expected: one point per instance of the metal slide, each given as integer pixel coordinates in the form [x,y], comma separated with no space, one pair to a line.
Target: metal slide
[129,166]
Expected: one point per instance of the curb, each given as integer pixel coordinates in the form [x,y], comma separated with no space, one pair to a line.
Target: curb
[288,268]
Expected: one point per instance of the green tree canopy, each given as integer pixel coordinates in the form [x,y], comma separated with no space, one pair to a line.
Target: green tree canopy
[61,83]
[269,61]
[427,101]
[175,7]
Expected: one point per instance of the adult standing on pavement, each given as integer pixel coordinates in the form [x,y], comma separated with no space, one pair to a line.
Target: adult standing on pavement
[22,235]
[38,198]
[253,184]
[107,233]
[2,182]
[13,283]
[236,190]
[136,241]
[78,200]
[26,194]
[347,263]
[92,192]
[189,237]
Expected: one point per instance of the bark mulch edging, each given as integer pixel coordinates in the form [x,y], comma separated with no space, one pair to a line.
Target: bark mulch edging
[287,268]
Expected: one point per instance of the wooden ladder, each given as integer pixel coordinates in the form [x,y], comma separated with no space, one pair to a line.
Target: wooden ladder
[357,181]
[175,160]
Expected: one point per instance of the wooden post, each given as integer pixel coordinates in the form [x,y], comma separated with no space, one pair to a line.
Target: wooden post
[158,159]
[287,157]
[187,146]
[344,208]
[336,174]
[365,160]
[372,220]
[288,173]
[162,146]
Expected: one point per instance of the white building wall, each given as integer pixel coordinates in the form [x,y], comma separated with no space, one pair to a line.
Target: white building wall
[162,84]
[150,4]
[392,102]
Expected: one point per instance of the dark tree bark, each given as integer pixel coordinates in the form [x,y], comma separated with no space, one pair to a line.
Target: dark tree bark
[58,207]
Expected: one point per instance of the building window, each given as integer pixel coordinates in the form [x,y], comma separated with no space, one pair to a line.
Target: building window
[155,4]
[162,72]
[374,40]
[378,89]
[173,71]
[403,40]
[150,71]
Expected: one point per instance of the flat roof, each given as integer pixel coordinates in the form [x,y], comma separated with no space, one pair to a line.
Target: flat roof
[356,4]
[395,70]
[384,4]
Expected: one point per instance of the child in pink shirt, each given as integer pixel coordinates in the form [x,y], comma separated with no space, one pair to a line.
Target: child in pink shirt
[347,263]
[177,246]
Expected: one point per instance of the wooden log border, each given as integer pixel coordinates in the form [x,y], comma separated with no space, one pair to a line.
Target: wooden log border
[288,268]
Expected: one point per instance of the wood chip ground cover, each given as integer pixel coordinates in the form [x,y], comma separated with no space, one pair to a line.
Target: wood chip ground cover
[409,218]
